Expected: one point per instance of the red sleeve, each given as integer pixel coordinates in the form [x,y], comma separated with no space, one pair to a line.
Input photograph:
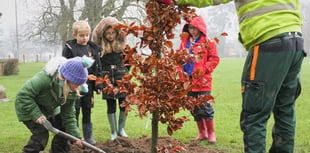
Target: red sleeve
[212,59]
[165,1]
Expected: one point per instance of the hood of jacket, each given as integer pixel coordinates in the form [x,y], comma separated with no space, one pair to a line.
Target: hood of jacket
[197,22]
[52,65]
[98,38]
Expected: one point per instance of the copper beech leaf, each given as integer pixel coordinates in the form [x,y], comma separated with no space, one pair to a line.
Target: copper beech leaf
[169,130]
[169,44]
[224,34]
[184,35]
[216,40]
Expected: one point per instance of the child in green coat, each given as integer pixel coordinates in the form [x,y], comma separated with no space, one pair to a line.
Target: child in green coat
[51,95]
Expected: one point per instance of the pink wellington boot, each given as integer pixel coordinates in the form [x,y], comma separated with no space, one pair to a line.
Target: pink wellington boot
[211,133]
[202,130]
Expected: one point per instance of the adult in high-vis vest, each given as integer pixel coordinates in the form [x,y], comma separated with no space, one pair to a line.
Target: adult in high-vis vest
[271,33]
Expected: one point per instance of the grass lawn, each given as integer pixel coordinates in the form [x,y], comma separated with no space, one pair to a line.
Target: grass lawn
[227,93]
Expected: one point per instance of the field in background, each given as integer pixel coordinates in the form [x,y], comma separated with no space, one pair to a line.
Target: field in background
[226,90]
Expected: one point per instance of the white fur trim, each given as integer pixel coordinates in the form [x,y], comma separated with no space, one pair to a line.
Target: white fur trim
[52,65]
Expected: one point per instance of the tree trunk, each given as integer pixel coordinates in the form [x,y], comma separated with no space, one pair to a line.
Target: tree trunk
[155,115]
[154,132]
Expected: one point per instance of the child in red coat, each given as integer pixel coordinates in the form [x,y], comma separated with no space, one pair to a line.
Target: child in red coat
[205,58]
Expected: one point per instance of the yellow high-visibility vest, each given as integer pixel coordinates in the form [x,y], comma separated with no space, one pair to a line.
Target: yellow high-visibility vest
[260,20]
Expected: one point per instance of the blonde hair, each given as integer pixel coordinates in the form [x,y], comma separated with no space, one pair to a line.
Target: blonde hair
[65,89]
[79,26]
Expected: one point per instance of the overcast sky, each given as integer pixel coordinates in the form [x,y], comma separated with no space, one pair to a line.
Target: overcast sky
[7,8]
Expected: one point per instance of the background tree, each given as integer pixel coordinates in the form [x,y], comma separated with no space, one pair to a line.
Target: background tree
[54,22]
[219,19]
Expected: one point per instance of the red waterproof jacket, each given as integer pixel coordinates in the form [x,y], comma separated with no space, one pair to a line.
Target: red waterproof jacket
[206,51]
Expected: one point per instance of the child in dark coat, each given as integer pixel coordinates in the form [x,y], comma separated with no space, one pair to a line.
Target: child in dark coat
[112,43]
[81,46]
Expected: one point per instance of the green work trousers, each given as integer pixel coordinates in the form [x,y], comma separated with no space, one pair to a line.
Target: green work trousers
[270,81]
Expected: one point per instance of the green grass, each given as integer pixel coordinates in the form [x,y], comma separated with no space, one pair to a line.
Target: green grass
[227,93]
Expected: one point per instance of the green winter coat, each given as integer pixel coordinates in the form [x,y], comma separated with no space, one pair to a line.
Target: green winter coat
[260,20]
[41,95]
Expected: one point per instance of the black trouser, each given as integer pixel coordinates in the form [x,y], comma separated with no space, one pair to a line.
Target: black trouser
[111,103]
[40,135]
[204,111]
[86,102]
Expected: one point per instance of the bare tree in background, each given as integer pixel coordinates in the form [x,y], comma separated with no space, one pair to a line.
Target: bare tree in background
[218,21]
[54,23]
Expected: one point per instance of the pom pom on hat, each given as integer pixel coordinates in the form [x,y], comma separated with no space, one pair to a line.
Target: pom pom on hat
[75,69]
[87,62]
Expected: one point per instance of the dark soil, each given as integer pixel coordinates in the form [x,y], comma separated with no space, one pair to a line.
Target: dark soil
[143,145]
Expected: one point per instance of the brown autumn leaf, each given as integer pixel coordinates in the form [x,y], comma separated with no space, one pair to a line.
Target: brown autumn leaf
[150,38]
[169,44]
[216,40]
[99,81]
[224,34]
[132,24]
[184,35]
[169,130]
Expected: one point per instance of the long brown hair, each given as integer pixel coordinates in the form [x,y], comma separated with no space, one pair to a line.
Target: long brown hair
[109,46]
[98,36]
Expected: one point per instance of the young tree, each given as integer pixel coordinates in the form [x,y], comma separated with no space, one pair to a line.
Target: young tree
[158,88]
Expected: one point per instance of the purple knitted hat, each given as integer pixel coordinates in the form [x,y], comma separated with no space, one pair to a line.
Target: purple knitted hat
[74,70]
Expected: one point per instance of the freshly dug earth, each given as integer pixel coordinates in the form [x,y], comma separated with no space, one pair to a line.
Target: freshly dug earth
[143,145]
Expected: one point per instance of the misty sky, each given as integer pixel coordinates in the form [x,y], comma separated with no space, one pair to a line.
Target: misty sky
[8,13]
[7,8]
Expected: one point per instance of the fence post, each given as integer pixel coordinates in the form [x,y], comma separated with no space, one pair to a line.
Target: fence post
[1,68]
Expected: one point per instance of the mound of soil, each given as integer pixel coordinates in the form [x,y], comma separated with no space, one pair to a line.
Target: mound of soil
[143,145]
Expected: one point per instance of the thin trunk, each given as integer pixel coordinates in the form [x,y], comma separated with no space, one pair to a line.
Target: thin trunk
[154,132]
[155,116]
